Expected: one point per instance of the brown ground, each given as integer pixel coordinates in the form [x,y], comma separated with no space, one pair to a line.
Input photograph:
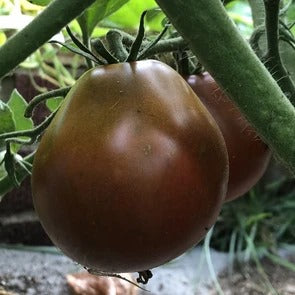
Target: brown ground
[24,273]
[250,281]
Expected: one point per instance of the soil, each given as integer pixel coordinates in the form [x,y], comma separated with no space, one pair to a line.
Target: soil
[30,273]
[250,281]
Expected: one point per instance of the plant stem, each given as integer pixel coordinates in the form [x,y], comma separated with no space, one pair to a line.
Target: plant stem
[102,51]
[162,46]
[255,39]
[85,36]
[135,47]
[168,45]
[272,58]
[44,96]
[33,133]
[272,9]
[40,30]
[115,39]
[154,42]
[257,9]
[218,45]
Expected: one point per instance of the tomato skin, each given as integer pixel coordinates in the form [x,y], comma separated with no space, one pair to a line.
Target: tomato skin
[132,171]
[248,154]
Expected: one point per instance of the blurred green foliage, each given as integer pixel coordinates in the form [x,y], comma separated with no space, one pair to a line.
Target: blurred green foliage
[241,14]
[128,16]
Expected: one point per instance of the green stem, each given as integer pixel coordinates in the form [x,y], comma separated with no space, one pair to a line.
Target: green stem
[272,59]
[85,36]
[257,9]
[32,133]
[168,45]
[127,39]
[255,39]
[115,39]
[100,49]
[218,45]
[136,45]
[44,96]
[153,43]
[182,61]
[162,46]
[272,9]
[40,30]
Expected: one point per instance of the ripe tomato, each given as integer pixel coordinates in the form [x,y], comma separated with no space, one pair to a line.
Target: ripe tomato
[248,154]
[132,171]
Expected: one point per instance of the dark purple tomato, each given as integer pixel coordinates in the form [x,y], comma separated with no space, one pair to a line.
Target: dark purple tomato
[248,154]
[132,171]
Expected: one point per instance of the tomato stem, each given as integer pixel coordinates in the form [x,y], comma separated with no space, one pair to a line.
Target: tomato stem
[32,133]
[272,58]
[84,48]
[115,43]
[168,45]
[136,45]
[182,61]
[99,47]
[145,51]
[255,38]
[162,46]
[257,10]
[85,36]
[62,92]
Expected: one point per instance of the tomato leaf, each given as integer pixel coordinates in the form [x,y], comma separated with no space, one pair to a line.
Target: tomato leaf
[7,123]
[3,172]
[53,103]
[9,164]
[18,105]
[40,2]
[98,11]
[2,38]
[134,9]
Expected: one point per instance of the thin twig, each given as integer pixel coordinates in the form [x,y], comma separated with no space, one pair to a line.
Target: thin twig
[62,92]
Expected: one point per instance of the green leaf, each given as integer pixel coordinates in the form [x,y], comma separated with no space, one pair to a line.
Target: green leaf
[98,11]
[2,38]
[9,164]
[7,123]
[240,13]
[134,9]
[6,184]
[3,172]
[40,2]
[18,105]
[53,103]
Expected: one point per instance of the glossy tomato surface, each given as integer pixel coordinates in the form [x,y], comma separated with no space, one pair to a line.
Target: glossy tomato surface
[132,171]
[248,154]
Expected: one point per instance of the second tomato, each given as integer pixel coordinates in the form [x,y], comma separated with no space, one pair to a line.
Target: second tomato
[248,154]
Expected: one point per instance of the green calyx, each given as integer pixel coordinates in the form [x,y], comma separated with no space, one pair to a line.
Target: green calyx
[118,46]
